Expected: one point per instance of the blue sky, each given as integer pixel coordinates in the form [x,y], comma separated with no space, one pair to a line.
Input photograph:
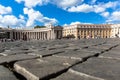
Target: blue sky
[28,13]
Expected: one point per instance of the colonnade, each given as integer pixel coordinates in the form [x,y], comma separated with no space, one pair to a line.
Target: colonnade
[27,35]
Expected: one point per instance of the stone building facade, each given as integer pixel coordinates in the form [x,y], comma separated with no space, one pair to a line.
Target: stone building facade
[50,32]
[88,31]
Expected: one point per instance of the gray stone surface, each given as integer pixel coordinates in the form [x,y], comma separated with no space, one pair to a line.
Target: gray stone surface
[99,67]
[94,50]
[70,75]
[43,53]
[61,59]
[1,50]
[41,68]
[9,52]
[112,54]
[18,57]
[5,74]
[80,54]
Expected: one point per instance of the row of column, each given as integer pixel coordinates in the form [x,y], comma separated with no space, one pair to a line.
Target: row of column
[47,35]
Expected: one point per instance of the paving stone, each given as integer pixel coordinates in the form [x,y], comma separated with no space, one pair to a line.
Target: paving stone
[94,50]
[112,54]
[70,75]
[117,48]
[5,74]
[74,47]
[1,50]
[57,55]
[43,53]
[57,47]
[107,69]
[38,69]
[18,57]
[76,54]
[9,52]
[102,47]
[61,60]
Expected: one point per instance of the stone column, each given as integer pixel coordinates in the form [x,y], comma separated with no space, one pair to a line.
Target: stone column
[52,34]
[30,35]
[11,35]
[33,35]
[18,35]
[44,35]
[48,35]
[41,35]
[27,35]
[38,35]
[15,35]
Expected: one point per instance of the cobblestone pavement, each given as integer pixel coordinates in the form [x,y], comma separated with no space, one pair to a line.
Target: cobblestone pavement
[86,59]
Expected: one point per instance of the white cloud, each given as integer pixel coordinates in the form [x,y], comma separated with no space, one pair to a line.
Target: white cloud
[101,7]
[111,4]
[5,10]
[65,25]
[21,17]
[32,3]
[81,8]
[98,9]
[76,22]
[6,18]
[34,16]
[66,3]
[11,20]
[114,17]
[105,14]
[19,1]
[60,3]
[73,23]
